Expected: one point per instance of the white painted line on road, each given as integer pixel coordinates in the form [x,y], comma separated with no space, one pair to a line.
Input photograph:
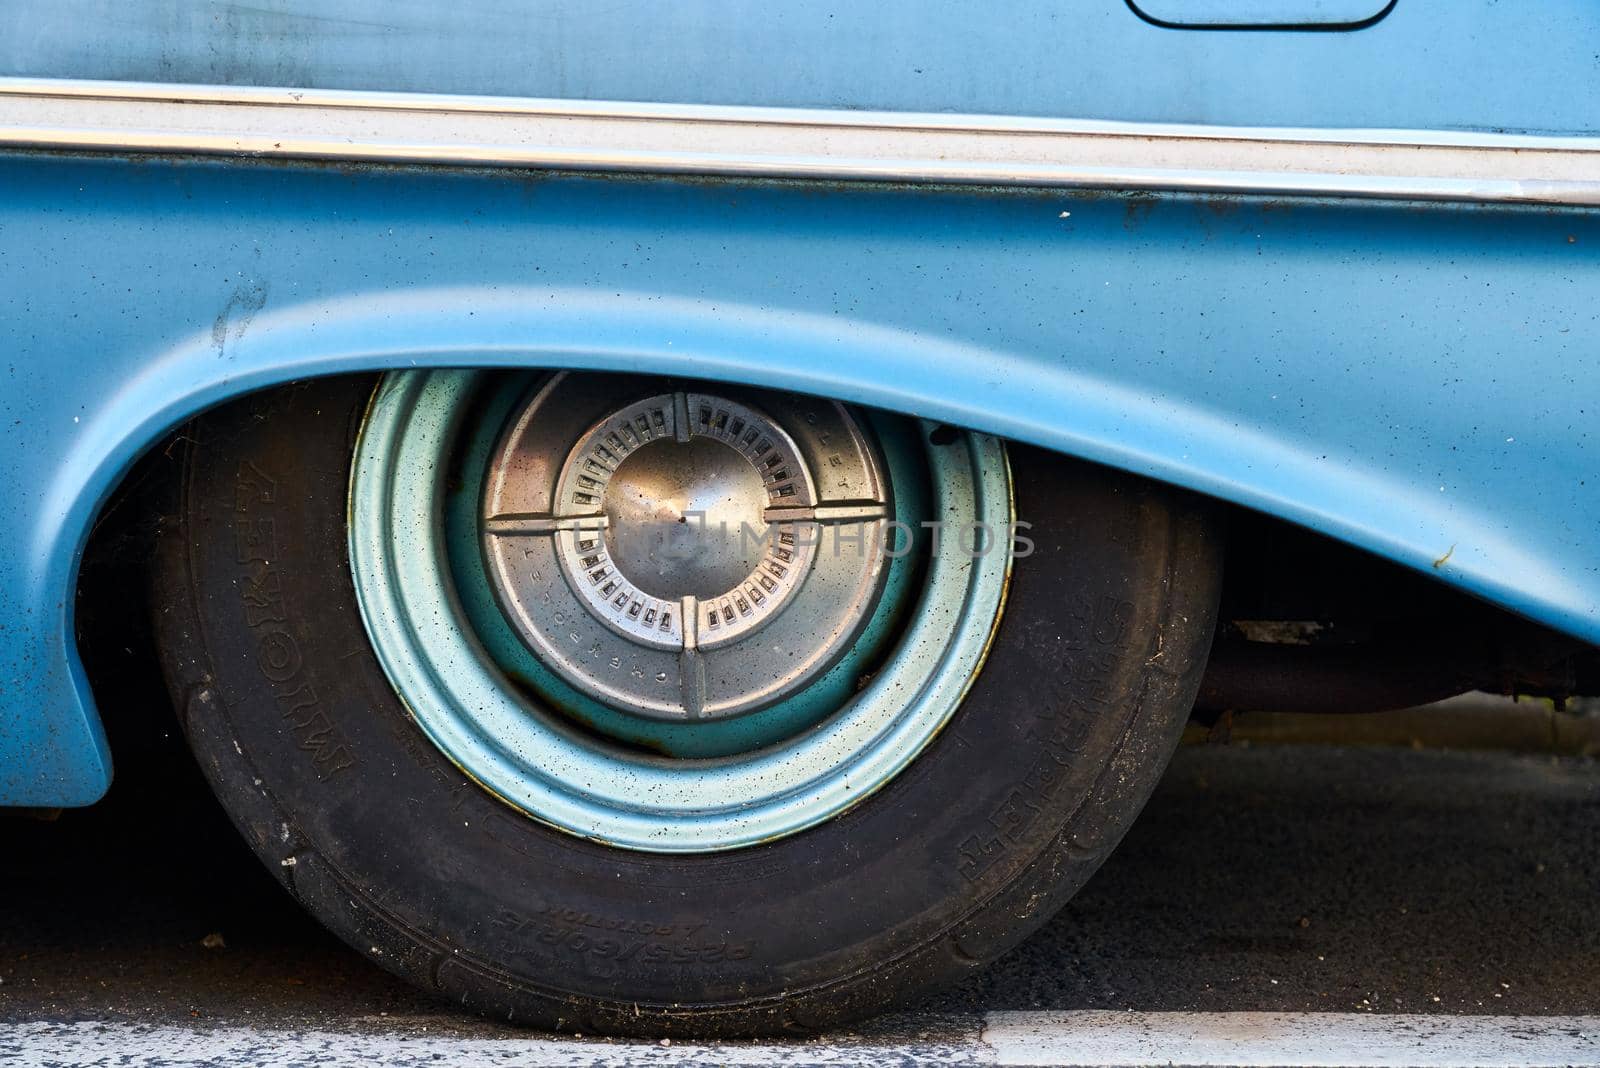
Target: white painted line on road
[119,1045]
[1087,1039]
[1313,1040]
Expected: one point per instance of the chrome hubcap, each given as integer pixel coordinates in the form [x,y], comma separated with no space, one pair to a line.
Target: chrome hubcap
[660,567]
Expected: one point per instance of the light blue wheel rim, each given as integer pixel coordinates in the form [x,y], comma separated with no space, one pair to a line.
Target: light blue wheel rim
[539,764]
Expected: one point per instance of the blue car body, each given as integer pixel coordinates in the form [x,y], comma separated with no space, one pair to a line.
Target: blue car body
[1409,362]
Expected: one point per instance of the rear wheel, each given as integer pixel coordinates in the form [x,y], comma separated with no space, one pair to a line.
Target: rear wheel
[636,705]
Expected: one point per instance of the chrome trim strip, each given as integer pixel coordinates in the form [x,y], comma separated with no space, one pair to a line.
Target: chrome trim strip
[795,143]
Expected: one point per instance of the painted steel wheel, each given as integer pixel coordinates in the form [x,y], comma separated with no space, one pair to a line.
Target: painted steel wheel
[654,615]
[631,704]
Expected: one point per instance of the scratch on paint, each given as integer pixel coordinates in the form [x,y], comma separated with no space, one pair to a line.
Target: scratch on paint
[235,317]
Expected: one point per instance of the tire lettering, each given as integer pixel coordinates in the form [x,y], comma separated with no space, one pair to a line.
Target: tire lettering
[266,614]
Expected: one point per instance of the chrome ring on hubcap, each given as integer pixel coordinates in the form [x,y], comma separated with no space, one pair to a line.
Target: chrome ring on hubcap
[485,595]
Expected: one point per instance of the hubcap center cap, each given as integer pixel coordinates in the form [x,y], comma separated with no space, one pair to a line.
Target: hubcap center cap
[685,518]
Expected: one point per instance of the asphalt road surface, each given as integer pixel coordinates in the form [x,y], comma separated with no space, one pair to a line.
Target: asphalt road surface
[1261,878]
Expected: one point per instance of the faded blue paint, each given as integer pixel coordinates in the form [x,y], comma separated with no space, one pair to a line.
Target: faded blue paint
[1519,65]
[1417,381]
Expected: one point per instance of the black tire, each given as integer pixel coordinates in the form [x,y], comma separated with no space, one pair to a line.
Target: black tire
[368,825]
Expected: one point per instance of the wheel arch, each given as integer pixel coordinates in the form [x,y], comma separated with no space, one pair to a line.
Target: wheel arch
[1054,404]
